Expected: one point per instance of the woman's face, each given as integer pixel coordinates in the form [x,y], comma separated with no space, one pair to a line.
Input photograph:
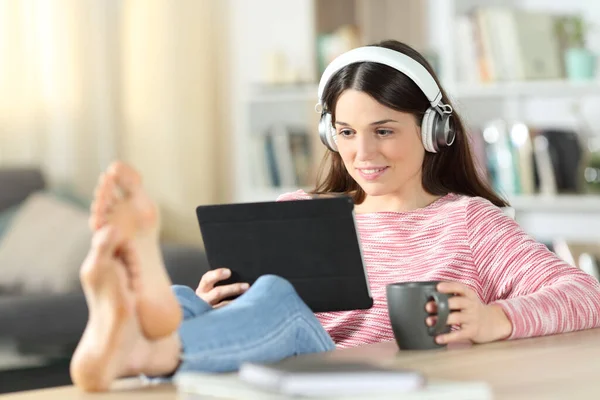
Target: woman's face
[381,147]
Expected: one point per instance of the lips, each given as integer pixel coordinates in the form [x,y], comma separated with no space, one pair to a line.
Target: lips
[371,174]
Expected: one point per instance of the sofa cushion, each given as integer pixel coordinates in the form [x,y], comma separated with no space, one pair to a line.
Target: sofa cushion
[46,243]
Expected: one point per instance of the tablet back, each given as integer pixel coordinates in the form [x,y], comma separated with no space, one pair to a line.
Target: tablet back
[312,243]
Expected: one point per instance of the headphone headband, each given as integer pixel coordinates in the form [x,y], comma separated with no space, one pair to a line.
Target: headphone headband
[381,55]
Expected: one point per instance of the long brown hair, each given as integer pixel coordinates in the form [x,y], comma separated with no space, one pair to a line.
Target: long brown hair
[451,170]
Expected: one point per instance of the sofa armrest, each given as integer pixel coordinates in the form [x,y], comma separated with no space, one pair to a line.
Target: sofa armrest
[48,319]
[58,320]
[17,184]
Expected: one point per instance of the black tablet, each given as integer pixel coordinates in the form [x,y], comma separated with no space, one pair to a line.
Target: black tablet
[312,243]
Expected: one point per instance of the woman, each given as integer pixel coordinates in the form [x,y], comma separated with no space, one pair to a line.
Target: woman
[398,148]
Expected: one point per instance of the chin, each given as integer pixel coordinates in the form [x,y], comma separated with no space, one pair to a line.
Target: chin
[375,189]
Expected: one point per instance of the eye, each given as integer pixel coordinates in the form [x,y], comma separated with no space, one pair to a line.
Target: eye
[384,132]
[345,132]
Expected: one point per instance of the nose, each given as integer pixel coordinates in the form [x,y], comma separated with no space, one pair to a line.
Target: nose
[366,147]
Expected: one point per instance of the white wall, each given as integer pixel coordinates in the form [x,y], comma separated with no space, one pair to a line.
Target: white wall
[262,26]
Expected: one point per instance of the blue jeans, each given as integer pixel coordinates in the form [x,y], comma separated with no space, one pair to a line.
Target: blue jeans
[266,324]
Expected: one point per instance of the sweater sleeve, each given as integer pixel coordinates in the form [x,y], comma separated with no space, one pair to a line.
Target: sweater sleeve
[540,293]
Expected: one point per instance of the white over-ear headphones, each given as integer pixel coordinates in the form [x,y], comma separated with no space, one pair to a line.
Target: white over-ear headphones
[436,130]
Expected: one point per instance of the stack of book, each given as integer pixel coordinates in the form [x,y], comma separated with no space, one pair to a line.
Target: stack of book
[517,159]
[318,379]
[283,157]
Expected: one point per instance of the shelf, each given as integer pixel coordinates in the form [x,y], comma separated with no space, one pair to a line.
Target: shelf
[570,217]
[547,88]
[567,203]
[572,203]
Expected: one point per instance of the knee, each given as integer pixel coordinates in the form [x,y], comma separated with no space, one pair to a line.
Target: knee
[274,284]
[183,292]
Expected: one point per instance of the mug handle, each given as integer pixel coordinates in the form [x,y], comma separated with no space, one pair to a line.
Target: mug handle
[443,310]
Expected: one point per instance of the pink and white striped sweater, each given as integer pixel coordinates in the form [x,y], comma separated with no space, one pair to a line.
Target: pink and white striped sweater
[468,240]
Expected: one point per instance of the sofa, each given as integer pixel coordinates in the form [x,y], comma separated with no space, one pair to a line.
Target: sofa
[50,322]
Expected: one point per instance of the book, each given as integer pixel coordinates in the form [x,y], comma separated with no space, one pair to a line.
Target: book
[544,169]
[566,154]
[283,156]
[202,385]
[501,158]
[308,377]
[523,149]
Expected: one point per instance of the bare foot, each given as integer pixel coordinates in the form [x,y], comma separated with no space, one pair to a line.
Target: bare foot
[113,345]
[121,201]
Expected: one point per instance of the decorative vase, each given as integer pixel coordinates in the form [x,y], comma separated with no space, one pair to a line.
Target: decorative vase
[580,64]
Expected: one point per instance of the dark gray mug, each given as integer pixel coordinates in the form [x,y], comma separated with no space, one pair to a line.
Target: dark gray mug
[406,308]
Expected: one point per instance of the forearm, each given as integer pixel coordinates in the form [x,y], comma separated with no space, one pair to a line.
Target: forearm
[562,307]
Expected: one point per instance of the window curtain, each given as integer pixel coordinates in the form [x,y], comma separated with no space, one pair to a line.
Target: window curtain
[83,82]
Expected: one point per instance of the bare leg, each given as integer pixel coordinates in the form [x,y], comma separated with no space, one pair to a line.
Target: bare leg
[121,201]
[113,344]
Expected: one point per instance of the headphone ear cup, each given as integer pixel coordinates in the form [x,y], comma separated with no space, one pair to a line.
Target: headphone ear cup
[333,136]
[444,134]
[427,130]
[327,132]
[436,131]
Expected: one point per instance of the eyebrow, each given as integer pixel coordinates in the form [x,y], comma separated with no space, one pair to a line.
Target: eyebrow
[383,121]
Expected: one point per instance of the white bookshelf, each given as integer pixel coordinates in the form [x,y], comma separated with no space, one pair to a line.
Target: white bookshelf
[551,102]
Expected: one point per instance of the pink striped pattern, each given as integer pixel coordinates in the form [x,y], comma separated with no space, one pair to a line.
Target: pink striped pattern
[468,240]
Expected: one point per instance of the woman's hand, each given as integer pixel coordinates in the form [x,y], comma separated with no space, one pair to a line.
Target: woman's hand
[215,295]
[479,323]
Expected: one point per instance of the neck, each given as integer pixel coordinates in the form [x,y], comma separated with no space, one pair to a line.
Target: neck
[396,202]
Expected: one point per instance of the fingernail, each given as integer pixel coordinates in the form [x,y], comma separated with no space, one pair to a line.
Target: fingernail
[226,273]
[439,340]
[245,286]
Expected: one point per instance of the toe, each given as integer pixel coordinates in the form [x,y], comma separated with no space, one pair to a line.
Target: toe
[99,183]
[106,241]
[110,193]
[104,245]
[104,199]
[126,177]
